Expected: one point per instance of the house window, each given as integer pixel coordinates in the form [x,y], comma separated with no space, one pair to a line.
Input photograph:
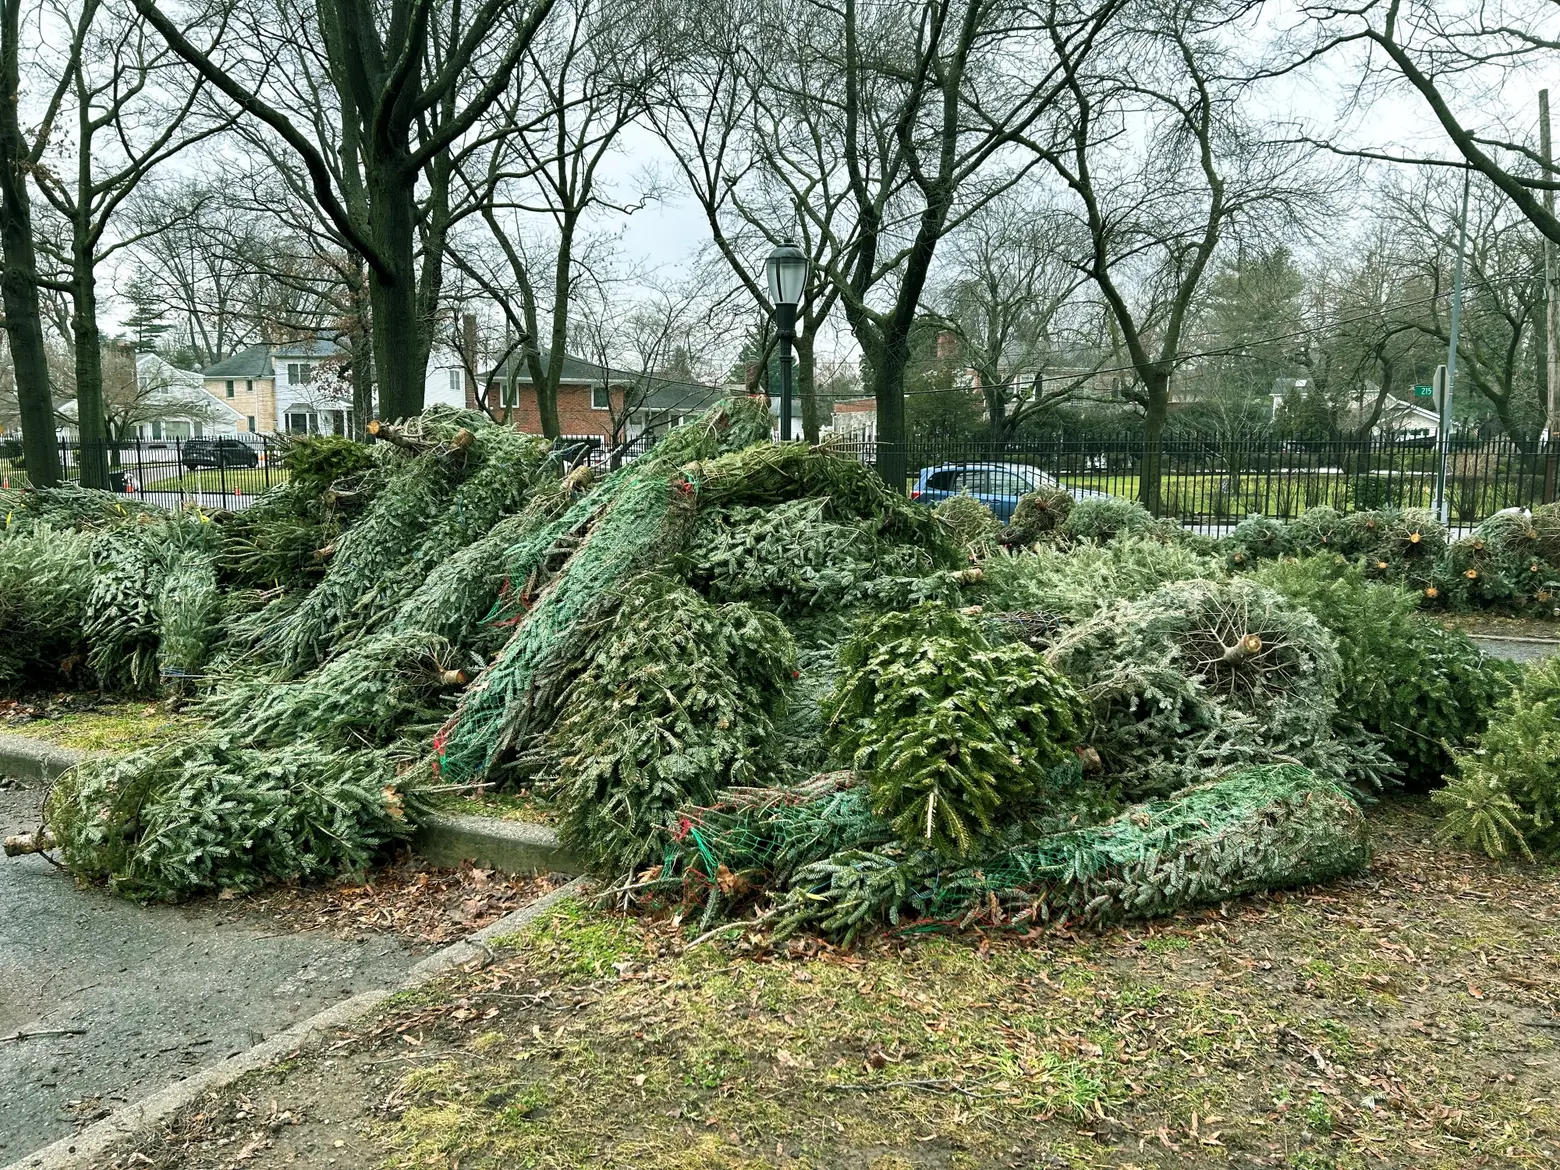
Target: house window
[511,394]
[200,429]
[230,388]
[600,398]
[303,423]
[156,430]
[249,385]
[251,424]
[456,381]
[298,373]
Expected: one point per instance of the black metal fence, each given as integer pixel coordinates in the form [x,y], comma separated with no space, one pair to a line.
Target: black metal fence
[1204,483]
[224,471]
[228,471]
[1208,482]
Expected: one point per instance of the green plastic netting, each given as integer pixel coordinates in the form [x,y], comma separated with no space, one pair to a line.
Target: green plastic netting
[1259,828]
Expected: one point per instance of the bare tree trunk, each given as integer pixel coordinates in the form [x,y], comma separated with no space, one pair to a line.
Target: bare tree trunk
[362,388]
[806,387]
[400,350]
[1155,410]
[90,417]
[996,407]
[888,389]
[546,381]
[19,282]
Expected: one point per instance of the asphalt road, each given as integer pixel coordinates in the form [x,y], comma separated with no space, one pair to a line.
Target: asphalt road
[158,992]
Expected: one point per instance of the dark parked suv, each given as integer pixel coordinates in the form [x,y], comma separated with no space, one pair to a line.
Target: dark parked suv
[199,453]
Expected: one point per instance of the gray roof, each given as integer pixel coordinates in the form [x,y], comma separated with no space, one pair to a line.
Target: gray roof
[259,361]
[254,362]
[683,397]
[662,394]
[319,348]
[575,369]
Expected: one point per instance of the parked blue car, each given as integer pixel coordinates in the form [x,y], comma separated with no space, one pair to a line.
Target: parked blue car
[997,485]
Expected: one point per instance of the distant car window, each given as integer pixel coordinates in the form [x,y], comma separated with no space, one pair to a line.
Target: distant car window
[976,481]
[943,481]
[1010,481]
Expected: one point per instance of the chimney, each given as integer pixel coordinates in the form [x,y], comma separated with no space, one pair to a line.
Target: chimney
[947,345]
[468,331]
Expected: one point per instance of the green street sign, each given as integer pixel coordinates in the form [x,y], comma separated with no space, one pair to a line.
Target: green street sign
[1424,391]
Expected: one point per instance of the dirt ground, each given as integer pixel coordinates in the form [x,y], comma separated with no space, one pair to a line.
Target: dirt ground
[1406,1018]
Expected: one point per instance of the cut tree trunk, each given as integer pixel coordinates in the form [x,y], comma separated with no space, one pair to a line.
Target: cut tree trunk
[23,843]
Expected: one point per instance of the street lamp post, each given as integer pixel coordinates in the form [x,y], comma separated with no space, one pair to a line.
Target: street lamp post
[786,270]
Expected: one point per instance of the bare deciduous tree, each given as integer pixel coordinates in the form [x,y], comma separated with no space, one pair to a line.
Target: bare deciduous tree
[19,280]
[904,117]
[1454,55]
[1500,344]
[1017,299]
[410,79]
[751,174]
[199,253]
[1162,164]
[127,106]
[539,185]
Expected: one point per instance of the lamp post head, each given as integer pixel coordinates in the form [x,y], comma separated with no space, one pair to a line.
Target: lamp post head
[786,270]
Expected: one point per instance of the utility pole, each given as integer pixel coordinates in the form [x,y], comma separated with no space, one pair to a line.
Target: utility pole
[1551,308]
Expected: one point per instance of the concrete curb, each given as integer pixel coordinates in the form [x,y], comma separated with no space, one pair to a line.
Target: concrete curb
[508,846]
[88,1148]
[32,759]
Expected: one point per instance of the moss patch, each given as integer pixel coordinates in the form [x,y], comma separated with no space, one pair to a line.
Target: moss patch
[523,806]
[112,726]
[1405,1018]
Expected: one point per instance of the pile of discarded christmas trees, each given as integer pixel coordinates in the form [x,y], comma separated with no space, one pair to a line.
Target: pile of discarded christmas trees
[748,678]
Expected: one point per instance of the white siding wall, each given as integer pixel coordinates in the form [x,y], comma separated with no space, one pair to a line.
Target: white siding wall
[440,386]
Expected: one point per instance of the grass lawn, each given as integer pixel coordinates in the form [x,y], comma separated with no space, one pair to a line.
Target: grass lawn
[1406,1018]
[250,480]
[116,726]
[1284,497]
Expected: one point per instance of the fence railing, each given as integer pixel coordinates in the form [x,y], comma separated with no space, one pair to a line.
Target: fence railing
[1208,482]
[230,470]
[1201,482]
[220,472]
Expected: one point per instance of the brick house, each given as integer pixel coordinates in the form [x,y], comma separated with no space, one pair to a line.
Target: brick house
[593,401]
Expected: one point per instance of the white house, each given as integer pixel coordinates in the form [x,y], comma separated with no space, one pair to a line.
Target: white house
[166,403]
[304,387]
[1398,415]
